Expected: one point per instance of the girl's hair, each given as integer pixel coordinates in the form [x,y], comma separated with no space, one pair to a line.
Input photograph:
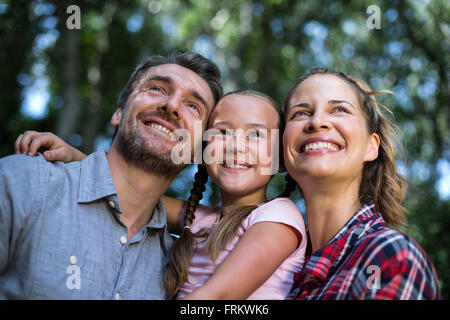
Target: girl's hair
[380,180]
[290,186]
[176,271]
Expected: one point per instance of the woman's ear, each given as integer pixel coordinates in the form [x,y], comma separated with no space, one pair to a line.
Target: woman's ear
[372,148]
[116,117]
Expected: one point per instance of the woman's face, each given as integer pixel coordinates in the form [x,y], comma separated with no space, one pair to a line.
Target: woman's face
[243,127]
[326,133]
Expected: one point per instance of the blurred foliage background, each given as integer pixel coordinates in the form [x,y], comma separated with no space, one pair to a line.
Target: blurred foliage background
[68,81]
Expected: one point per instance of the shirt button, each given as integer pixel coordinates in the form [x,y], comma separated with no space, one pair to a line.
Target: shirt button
[111,204]
[117,296]
[123,239]
[73,259]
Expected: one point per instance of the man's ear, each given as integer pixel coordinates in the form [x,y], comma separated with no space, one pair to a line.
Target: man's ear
[116,117]
[372,148]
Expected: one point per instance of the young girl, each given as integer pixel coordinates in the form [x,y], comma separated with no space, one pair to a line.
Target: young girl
[249,247]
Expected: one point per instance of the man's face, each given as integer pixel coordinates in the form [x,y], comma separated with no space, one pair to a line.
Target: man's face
[166,98]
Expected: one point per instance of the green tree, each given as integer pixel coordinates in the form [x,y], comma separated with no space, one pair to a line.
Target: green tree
[263,45]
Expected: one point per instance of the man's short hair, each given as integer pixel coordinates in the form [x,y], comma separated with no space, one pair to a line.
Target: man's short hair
[203,67]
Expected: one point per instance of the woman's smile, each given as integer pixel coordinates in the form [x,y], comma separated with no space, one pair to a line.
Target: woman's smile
[325,121]
[319,145]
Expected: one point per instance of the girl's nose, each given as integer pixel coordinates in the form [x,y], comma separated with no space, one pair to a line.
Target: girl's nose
[240,141]
[236,146]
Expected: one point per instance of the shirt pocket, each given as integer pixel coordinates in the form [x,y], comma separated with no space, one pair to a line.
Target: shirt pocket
[65,274]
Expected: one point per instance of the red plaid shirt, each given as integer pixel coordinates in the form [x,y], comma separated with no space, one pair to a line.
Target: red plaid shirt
[367,260]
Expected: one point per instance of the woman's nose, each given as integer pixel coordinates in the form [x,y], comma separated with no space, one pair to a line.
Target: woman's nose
[318,121]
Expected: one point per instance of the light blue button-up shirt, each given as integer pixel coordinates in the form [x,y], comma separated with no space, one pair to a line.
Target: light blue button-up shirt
[61,236]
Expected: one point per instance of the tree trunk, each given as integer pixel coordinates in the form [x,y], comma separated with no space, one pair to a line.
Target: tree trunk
[93,117]
[70,112]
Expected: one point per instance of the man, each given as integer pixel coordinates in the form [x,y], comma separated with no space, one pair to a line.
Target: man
[96,229]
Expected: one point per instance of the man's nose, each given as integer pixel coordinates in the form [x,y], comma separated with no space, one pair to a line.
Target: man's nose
[172,106]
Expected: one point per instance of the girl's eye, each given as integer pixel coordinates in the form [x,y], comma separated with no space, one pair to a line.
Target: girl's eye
[253,134]
[225,132]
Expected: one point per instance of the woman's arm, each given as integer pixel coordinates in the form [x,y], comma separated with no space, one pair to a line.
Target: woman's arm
[56,149]
[259,253]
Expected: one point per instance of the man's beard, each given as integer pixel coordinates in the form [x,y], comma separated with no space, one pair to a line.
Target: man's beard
[134,149]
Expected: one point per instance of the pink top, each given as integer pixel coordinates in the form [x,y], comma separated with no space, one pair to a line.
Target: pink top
[277,287]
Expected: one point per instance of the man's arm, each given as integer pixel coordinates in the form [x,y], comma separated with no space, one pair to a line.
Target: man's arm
[6,222]
[16,201]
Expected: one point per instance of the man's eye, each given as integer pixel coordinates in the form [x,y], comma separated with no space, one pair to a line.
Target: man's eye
[194,107]
[155,89]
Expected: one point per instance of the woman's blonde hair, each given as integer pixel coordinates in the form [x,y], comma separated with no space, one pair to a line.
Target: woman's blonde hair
[231,218]
[381,182]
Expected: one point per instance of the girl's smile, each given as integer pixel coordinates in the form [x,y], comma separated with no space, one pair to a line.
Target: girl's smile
[244,141]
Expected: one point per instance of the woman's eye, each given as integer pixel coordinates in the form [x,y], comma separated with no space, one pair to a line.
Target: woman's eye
[299,114]
[341,109]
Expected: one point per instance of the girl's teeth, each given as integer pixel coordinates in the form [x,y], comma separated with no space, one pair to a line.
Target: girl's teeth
[235,166]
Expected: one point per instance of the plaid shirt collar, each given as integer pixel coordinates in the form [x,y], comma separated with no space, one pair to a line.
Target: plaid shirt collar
[324,260]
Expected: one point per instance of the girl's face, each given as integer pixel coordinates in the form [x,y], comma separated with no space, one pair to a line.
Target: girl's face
[241,126]
[326,133]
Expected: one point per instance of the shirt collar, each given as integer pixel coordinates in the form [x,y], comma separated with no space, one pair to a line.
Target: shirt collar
[158,220]
[362,222]
[96,183]
[95,178]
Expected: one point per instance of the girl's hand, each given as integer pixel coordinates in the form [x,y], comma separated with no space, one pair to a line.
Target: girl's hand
[55,148]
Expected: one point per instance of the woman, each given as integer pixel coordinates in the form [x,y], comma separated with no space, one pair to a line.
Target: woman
[339,148]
